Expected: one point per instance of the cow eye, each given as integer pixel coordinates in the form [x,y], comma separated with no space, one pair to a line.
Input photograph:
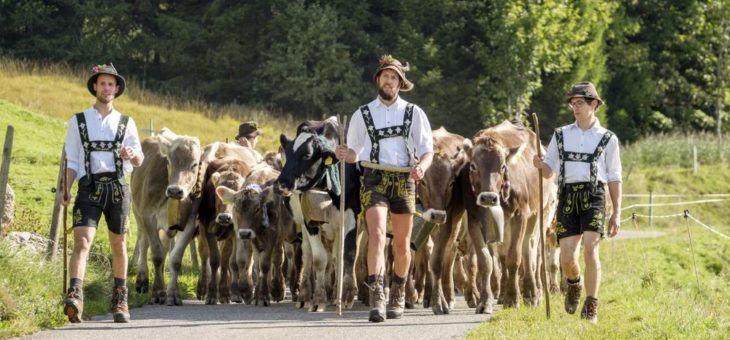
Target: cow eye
[194,166]
[473,167]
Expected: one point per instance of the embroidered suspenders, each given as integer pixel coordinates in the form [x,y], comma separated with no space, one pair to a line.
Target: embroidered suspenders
[114,146]
[591,158]
[387,132]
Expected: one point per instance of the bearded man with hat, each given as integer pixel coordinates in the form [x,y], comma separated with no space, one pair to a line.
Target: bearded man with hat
[102,147]
[391,139]
[585,156]
[248,136]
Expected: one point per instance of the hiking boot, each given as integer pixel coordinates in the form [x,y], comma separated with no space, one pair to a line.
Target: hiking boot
[377,302]
[74,304]
[590,309]
[120,309]
[396,301]
[572,297]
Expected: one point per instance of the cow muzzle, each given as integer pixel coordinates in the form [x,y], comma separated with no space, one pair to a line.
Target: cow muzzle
[246,234]
[175,192]
[224,219]
[488,199]
[435,216]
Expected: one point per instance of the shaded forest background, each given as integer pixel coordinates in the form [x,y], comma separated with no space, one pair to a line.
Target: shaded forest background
[661,66]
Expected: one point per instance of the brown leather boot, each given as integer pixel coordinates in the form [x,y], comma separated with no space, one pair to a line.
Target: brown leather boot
[74,304]
[396,301]
[120,309]
[377,302]
[590,309]
[572,297]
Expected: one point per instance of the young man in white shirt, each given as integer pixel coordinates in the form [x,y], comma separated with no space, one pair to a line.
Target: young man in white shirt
[102,147]
[585,156]
[391,139]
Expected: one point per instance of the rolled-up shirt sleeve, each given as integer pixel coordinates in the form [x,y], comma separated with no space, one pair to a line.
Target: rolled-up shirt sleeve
[551,155]
[74,156]
[356,134]
[131,136]
[421,133]
[613,161]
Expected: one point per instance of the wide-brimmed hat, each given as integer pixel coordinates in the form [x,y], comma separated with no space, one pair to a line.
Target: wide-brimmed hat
[248,130]
[105,69]
[388,62]
[584,89]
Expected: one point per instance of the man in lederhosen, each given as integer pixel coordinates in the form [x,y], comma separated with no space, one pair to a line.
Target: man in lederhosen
[585,156]
[391,138]
[102,146]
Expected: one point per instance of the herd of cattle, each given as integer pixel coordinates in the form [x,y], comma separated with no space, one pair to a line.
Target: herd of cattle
[274,221]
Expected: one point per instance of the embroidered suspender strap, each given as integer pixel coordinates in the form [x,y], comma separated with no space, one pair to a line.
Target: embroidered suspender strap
[561,175]
[114,146]
[597,154]
[387,132]
[591,158]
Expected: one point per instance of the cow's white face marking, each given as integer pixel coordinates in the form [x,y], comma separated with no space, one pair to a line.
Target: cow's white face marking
[303,137]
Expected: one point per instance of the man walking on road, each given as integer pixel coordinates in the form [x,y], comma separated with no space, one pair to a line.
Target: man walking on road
[585,156]
[391,138]
[102,146]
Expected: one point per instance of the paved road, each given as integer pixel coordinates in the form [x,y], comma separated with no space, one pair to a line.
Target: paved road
[195,320]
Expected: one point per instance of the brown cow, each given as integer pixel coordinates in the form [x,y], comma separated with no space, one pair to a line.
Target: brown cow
[169,172]
[216,225]
[444,205]
[504,181]
[262,217]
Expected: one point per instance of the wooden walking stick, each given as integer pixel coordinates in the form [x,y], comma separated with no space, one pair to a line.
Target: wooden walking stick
[341,251]
[541,218]
[64,187]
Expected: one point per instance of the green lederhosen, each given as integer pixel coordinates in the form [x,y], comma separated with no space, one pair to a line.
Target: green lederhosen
[107,192]
[581,206]
[387,188]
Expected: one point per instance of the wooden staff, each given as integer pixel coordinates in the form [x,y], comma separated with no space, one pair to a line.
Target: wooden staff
[341,251]
[541,218]
[64,187]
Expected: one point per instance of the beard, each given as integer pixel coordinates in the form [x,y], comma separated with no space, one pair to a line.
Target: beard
[103,99]
[385,95]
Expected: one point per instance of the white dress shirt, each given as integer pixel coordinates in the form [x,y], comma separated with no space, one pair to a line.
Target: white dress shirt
[392,150]
[577,140]
[99,129]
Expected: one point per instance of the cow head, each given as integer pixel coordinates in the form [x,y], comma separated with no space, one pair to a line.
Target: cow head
[436,187]
[251,213]
[307,156]
[225,177]
[183,163]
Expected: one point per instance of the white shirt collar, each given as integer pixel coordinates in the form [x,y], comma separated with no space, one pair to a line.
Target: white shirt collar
[398,103]
[93,110]
[596,127]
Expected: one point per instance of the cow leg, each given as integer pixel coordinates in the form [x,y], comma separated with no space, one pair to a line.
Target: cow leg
[426,278]
[215,262]
[553,263]
[158,260]
[235,273]
[477,232]
[224,292]
[295,268]
[496,279]
[189,211]
[449,255]
[305,290]
[439,305]
[349,287]
[142,245]
[530,264]
[244,262]
[319,267]
[361,269]
[204,254]
[411,293]
[514,260]
[277,277]
[262,283]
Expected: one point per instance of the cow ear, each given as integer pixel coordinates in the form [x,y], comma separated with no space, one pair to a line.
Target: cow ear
[225,194]
[165,145]
[331,129]
[516,153]
[459,160]
[214,178]
[284,140]
[267,194]
[468,146]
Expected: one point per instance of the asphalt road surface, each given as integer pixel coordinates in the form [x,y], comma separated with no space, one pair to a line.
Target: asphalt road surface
[195,320]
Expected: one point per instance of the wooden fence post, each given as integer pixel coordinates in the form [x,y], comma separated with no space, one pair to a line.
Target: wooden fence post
[57,211]
[4,173]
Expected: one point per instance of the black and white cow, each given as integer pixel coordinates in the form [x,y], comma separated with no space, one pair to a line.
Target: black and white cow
[306,176]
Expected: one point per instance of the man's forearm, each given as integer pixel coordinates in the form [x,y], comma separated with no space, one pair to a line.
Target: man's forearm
[614,188]
[70,177]
[425,161]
